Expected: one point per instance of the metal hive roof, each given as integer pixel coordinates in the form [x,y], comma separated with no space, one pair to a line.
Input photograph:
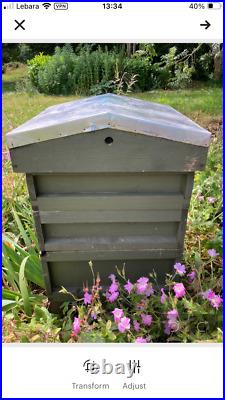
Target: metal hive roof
[109,111]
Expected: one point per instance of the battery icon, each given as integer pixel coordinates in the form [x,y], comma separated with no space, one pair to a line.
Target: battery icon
[214,6]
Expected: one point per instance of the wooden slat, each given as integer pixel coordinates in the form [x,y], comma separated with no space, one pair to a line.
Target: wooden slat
[69,217]
[111,243]
[110,229]
[160,183]
[112,255]
[110,202]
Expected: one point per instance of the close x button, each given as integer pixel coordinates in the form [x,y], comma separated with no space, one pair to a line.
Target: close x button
[19,24]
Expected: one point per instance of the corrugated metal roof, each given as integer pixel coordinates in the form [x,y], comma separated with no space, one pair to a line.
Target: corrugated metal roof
[109,111]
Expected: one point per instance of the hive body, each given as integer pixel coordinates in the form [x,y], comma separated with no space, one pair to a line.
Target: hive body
[110,180]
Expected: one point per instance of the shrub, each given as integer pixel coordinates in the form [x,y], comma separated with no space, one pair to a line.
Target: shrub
[142,68]
[56,76]
[182,77]
[35,65]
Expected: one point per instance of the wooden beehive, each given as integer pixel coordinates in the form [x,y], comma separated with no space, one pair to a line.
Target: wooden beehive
[110,180]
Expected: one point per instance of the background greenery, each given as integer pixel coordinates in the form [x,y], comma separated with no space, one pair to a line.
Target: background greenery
[143,69]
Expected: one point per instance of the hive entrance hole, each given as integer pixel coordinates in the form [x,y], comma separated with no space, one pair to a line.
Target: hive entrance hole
[109,140]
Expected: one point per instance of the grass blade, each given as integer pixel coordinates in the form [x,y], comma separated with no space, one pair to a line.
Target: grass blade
[24,288]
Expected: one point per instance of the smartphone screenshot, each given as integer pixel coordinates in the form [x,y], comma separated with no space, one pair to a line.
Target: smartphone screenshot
[112,199]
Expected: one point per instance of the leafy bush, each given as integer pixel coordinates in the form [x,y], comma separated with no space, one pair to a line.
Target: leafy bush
[35,65]
[56,76]
[142,68]
[182,77]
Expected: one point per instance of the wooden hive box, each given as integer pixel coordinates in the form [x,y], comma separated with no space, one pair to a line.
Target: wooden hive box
[110,180]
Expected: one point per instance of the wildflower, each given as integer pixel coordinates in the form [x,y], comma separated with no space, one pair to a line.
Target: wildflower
[179,290]
[140,339]
[173,314]
[146,319]
[93,315]
[211,200]
[212,253]
[118,314]
[136,325]
[171,324]
[128,287]
[149,290]
[113,287]
[142,284]
[76,326]
[124,324]
[111,297]
[163,296]
[112,277]
[216,301]
[191,276]
[208,295]
[180,268]
[87,298]
[167,328]
[201,198]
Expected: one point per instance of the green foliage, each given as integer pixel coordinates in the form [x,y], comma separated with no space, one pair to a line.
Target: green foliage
[25,52]
[182,77]
[95,71]
[36,65]
[56,75]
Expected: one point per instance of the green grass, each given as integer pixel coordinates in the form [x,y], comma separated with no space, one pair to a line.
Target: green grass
[192,102]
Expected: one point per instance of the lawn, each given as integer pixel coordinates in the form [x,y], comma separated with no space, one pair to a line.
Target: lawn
[26,317]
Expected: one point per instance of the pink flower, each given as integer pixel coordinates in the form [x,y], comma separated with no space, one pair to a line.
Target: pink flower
[87,298]
[76,326]
[167,328]
[146,319]
[93,315]
[180,268]
[173,314]
[216,301]
[142,284]
[136,325]
[111,297]
[211,199]
[179,290]
[118,314]
[112,277]
[140,339]
[212,253]
[113,287]
[191,276]
[149,290]
[124,324]
[171,324]
[201,198]
[128,287]
[208,295]
[163,296]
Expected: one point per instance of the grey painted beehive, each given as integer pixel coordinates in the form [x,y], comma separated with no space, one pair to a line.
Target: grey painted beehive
[110,180]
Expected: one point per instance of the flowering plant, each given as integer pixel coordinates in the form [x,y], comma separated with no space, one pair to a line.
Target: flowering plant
[140,311]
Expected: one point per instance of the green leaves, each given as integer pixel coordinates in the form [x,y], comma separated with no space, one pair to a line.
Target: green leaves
[24,288]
